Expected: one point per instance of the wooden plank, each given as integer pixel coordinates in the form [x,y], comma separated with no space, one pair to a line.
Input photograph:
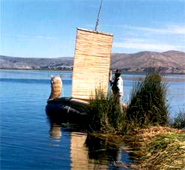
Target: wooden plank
[91,63]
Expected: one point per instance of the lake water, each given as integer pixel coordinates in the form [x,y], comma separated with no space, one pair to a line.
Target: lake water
[30,141]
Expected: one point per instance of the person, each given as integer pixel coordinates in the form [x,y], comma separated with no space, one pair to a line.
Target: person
[117,86]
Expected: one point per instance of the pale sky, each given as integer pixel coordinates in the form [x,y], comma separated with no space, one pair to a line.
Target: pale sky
[47,28]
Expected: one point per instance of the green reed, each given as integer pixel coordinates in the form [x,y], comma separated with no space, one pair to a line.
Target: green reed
[148,102]
[104,113]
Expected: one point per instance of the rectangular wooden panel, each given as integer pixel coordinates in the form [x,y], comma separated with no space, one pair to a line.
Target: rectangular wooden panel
[91,63]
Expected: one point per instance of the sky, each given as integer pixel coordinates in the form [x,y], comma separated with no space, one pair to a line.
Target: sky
[47,28]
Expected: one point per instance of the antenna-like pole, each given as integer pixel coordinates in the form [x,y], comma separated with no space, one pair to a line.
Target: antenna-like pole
[97,21]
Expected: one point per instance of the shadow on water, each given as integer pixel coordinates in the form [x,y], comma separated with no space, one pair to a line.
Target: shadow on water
[88,151]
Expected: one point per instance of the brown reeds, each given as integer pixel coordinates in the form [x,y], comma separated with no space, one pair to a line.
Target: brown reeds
[158,148]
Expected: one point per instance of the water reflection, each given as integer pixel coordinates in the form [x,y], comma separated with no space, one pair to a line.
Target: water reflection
[102,151]
[90,152]
[78,152]
[55,131]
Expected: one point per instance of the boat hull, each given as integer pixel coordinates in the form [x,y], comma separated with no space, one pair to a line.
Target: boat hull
[66,110]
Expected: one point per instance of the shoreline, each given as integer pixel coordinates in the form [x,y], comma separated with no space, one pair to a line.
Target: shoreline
[70,70]
[150,146]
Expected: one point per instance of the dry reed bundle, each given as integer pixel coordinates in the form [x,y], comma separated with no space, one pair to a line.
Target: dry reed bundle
[56,86]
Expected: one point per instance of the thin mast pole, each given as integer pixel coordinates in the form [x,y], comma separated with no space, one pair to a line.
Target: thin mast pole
[98,18]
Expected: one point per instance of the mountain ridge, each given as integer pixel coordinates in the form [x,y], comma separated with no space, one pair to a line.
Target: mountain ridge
[168,62]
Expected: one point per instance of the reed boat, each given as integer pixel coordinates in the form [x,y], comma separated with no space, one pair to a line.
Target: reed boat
[90,72]
[66,109]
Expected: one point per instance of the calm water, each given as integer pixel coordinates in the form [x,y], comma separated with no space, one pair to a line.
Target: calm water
[30,141]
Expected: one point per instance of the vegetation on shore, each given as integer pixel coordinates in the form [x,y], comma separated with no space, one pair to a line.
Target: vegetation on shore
[179,120]
[157,148]
[104,114]
[148,102]
[152,147]
[146,107]
[143,124]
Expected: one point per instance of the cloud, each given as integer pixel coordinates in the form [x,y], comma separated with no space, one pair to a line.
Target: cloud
[168,29]
[168,37]
[177,29]
[141,44]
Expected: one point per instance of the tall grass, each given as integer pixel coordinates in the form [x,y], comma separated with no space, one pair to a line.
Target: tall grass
[147,107]
[104,113]
[148,102]
[179,120]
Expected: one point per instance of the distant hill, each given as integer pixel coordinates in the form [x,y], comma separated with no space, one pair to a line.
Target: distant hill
[168,62]
[35,63]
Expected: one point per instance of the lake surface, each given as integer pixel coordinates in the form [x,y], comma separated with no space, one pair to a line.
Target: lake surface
[30,141]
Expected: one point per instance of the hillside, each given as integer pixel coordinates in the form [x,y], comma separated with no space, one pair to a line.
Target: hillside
[35,63]
[168,62]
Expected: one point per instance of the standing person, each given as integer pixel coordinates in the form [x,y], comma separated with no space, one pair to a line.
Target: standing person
[117,87]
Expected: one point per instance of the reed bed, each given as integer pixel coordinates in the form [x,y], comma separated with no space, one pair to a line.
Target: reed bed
[179,120]
[158,148]
[105,115]
[144,125]
[148,105]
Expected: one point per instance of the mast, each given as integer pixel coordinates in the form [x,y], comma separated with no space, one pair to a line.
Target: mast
[98,17]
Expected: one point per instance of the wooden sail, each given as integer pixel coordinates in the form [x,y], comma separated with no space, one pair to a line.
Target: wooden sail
[91,63]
